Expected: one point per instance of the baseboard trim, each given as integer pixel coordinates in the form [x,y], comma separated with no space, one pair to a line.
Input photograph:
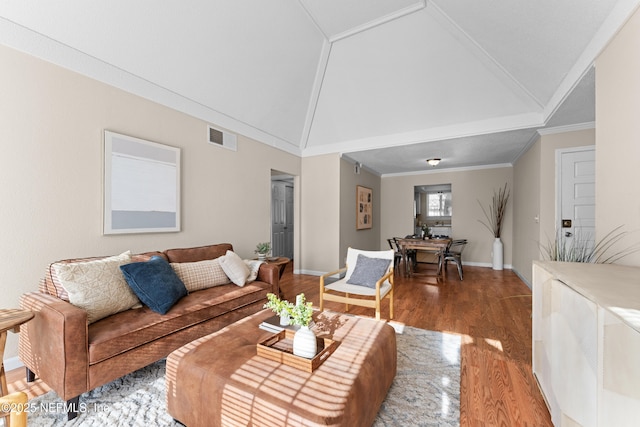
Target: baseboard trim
[472,264]
[310,272]
[524,280]
[485,264]
[13,363]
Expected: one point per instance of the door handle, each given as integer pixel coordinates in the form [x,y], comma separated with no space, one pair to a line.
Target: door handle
[568,234]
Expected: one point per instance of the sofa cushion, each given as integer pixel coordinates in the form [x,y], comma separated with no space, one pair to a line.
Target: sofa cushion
[155,283]
[146,256]
[200,274]
[235,268]
[52,282]
[198,253]
[97,286]
[368,271]
[133,328]
[51,285]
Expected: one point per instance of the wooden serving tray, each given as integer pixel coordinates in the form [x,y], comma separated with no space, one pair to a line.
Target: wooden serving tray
[279,347]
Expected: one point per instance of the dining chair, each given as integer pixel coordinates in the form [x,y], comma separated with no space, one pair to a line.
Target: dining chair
[367,281]
[453,252]
[397,253]
[412,254]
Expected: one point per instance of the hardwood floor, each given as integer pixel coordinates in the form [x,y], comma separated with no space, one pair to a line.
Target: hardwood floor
[491,310]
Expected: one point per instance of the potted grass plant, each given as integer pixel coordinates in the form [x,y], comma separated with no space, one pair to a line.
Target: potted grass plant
[582,248]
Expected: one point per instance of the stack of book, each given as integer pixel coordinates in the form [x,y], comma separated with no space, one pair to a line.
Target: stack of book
[272,324]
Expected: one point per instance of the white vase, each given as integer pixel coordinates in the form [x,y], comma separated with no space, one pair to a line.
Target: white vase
[304,343]
[285,320]
[497,254]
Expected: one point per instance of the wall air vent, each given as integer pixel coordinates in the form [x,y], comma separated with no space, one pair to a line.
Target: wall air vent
[221,138]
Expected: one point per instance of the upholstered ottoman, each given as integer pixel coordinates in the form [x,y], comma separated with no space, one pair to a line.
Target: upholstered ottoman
[219,380]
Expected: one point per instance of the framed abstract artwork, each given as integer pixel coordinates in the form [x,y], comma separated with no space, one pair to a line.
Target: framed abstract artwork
[141,186]
[364,208]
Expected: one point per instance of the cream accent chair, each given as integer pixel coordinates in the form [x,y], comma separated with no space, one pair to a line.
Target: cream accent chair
[366,296]
[17,402]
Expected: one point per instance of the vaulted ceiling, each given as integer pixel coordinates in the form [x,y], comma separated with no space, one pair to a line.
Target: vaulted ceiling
[387,83]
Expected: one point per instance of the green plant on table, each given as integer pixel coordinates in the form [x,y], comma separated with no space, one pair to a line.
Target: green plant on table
[299,313]
[302,311]
[278,306]
[263,248]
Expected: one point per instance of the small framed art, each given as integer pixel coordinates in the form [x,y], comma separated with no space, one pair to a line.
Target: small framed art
[364,208]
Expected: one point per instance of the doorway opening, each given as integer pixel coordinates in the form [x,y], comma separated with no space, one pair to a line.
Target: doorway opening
[432,210]
[282,191]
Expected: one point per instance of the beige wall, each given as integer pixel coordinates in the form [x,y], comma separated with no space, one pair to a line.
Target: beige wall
[51,127]
[368,239]
[618,136]
[526,211]
[320,211]
[468,187]
[535,195]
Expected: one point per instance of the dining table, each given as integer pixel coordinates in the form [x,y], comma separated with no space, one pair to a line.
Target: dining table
[438,246]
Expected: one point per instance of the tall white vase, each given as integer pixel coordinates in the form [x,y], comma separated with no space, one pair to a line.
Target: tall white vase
[304,343]
[497,254]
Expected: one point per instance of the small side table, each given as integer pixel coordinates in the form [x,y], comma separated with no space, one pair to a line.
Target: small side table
[10,320]
[280,262]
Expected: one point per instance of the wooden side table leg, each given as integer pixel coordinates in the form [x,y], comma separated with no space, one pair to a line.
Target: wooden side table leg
[3,378]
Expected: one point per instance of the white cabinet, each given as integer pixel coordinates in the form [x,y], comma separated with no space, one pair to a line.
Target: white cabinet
[586,342]
[620,366]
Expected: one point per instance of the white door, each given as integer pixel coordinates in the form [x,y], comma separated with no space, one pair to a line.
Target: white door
[282,218]
[577,196]
[278,215]
[288,222]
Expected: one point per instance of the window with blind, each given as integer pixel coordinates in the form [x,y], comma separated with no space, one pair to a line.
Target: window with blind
[439,204]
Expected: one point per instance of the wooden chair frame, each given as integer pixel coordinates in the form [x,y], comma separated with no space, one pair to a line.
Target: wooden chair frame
[347,298]
[18,403]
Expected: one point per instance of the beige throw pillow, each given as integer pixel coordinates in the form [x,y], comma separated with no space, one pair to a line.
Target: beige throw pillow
[201,274]
[235,268]
[98,286]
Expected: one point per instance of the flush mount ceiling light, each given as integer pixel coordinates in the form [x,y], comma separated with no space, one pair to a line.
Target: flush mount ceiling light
[434,161]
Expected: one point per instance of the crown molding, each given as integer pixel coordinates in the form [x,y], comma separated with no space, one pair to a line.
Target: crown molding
[25,40]
[321,71]
[567,128]
[620,14]
[459,130]
[379,21]
[447,170]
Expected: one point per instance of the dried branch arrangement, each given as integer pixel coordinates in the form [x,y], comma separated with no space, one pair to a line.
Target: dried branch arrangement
[496,212]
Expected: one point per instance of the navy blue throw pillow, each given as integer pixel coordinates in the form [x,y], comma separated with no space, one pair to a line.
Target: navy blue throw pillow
[368,271]
[155,283]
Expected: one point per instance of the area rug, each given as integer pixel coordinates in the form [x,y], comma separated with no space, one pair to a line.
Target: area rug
[425,392]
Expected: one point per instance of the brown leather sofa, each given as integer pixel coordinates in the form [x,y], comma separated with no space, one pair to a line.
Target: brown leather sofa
[72,356]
